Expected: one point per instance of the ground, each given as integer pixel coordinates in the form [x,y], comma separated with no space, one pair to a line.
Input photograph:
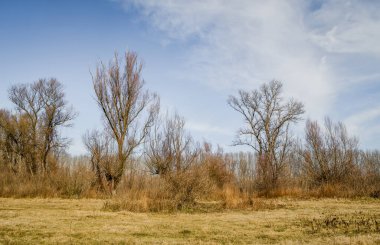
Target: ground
[283,221]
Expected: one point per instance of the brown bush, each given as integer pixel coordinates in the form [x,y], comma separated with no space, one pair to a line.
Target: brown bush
[216,166]
[66,183]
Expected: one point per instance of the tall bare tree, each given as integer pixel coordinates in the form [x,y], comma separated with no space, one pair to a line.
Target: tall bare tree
[55,114]
[267,118]
[27,100]
[41,111]
[128,109]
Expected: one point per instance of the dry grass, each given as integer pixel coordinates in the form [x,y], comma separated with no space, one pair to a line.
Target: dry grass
[291,221]
[64,183]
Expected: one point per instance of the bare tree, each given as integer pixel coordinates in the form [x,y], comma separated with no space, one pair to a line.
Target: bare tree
[102,158]
[28,102]
[42,110]
[128,109]
[169,148]
[172,154]
[55,114]
[267,117]
[369,163]
[330,155]
[15,148]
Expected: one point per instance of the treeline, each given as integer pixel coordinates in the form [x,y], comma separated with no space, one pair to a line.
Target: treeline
[151,161]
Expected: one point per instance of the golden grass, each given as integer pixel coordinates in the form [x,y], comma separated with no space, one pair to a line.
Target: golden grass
[291,222]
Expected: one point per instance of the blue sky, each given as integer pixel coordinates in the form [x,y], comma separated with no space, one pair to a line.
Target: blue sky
[196,53]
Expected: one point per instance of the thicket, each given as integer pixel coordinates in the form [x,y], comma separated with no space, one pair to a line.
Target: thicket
[147,161]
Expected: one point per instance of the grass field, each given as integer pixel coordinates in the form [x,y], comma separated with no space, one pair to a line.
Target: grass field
[284,221]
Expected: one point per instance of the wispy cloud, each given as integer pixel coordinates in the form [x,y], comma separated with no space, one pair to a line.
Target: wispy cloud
[306,44]
[365,124]
[244,43]
[348,26]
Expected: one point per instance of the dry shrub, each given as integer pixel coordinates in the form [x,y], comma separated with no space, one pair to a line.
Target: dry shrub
[206,186]
[232,198]
[64,182]
[24,185]
[259,204]
[355,185]
[332,190]
[180,190]
[153,197]
[290,191]
[187,186]
[162,202]
[140,205]
[217,170]
[74,182]
[146,194]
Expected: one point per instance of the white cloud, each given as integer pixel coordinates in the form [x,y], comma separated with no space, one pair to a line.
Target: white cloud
[364,124]
[359,79]
[348,26]
[243,43]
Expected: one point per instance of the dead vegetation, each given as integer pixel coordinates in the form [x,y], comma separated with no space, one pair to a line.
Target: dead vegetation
[145,161]
[278,221]
[348,224]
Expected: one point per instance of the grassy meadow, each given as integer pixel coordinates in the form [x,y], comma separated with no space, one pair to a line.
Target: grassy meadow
[274,221]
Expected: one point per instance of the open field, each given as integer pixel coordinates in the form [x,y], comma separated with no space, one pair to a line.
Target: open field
[338,221]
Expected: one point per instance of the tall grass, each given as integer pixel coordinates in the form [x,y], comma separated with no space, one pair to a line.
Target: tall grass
[64,182]
[217,182]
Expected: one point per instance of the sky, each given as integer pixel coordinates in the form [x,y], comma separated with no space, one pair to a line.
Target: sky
[198,52]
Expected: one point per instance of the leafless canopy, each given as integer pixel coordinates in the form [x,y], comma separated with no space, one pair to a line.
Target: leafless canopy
[128,109]
[42,110]
[331,154]
[169,148]
[267,118]
[102,157]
